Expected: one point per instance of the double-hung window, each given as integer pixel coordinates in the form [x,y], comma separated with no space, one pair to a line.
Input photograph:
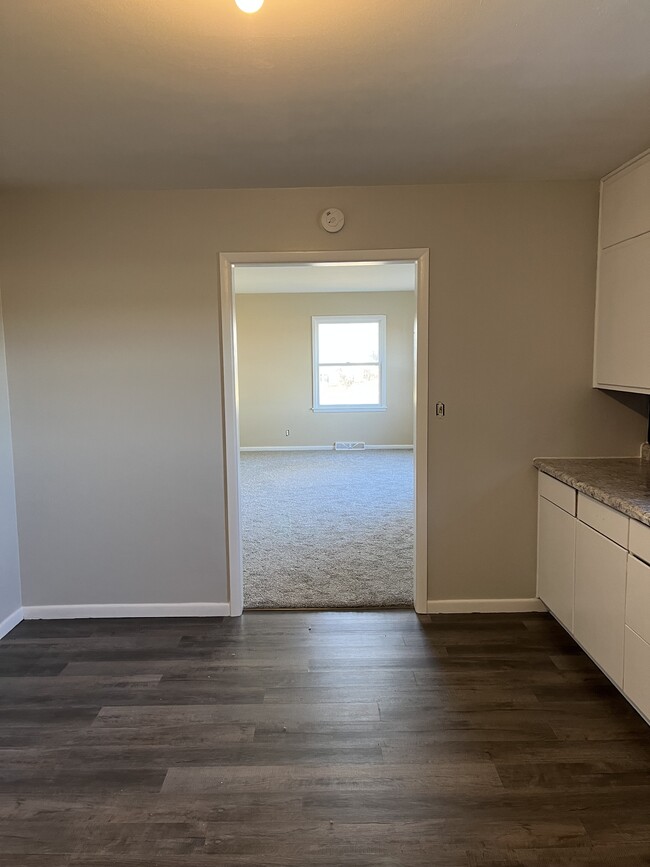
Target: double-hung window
[349,363]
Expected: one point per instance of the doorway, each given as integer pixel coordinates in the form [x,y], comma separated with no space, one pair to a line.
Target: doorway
[362,385]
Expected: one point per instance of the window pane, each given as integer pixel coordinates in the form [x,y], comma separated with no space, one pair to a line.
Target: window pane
[349,385]
[348,342]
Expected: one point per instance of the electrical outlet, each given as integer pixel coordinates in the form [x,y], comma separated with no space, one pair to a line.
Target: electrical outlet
[287,433]
[440,410]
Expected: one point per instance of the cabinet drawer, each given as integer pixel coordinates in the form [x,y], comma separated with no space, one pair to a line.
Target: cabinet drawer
[636,683]
[607,521]
[562,495]
[640,540]
[637,604]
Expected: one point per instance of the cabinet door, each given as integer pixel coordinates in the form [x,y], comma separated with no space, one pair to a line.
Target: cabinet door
[625,203]
[555,560]
[637,665]
[637,606]
[599,615]
[622,350]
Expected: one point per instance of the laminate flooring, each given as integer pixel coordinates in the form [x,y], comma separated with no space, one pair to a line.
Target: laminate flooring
[316,738]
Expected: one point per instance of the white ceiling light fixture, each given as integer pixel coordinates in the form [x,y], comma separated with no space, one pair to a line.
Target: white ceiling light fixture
[249,6]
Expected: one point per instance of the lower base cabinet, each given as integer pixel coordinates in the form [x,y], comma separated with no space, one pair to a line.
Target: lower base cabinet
[637,671]
[636,682]
[599,615]
[593,574]
[555,560]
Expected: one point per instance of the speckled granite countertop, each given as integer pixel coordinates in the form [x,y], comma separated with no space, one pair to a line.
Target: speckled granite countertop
[622,483]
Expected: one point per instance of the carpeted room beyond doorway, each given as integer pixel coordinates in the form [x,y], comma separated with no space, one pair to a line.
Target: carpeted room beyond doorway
[327,529]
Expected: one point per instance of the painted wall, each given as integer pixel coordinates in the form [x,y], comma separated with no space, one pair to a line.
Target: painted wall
[274,343]
[10,599]
[112,327]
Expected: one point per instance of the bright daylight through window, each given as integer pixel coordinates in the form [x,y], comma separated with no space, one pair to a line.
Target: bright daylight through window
[349,363]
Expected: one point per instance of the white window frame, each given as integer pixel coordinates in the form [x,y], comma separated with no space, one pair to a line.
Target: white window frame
[380,319]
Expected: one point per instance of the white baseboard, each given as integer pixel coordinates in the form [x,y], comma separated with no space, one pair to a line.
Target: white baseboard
[315,448]
[286,448]
[12,620]
[161,609]
[483,606]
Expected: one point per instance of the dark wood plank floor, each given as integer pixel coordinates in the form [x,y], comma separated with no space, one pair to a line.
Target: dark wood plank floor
[302,738]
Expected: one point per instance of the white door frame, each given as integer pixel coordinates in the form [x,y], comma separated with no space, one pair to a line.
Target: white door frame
[231,400]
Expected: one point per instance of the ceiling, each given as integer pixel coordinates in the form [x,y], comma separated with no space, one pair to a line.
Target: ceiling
[196,94]
[332,277]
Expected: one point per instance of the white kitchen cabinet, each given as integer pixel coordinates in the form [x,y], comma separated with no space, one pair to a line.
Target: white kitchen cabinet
[622,359]
[640,540]
[637,671]
[636,678]
[625,202]
[556,542]
[593,574]
[637,609]
[622,348]
[599,599]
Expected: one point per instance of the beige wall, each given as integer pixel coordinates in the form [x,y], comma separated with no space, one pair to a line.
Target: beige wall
[274,344]
[9,562]
[111,316]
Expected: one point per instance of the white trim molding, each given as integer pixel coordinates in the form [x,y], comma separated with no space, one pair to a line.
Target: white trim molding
[156,609]
[11,621]
[286,448]
[404,447]
[227,262]
[484,606]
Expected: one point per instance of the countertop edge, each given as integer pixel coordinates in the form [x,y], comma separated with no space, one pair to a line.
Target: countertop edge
[620,504]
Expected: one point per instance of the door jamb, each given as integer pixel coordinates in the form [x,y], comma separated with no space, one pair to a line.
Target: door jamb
[231,401]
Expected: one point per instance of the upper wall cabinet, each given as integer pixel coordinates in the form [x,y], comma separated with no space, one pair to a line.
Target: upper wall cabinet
[625,202]
[622,345]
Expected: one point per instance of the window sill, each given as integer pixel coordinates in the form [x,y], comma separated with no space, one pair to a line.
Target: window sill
[349,409]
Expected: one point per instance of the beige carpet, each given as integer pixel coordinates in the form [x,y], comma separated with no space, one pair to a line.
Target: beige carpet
[327,529]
